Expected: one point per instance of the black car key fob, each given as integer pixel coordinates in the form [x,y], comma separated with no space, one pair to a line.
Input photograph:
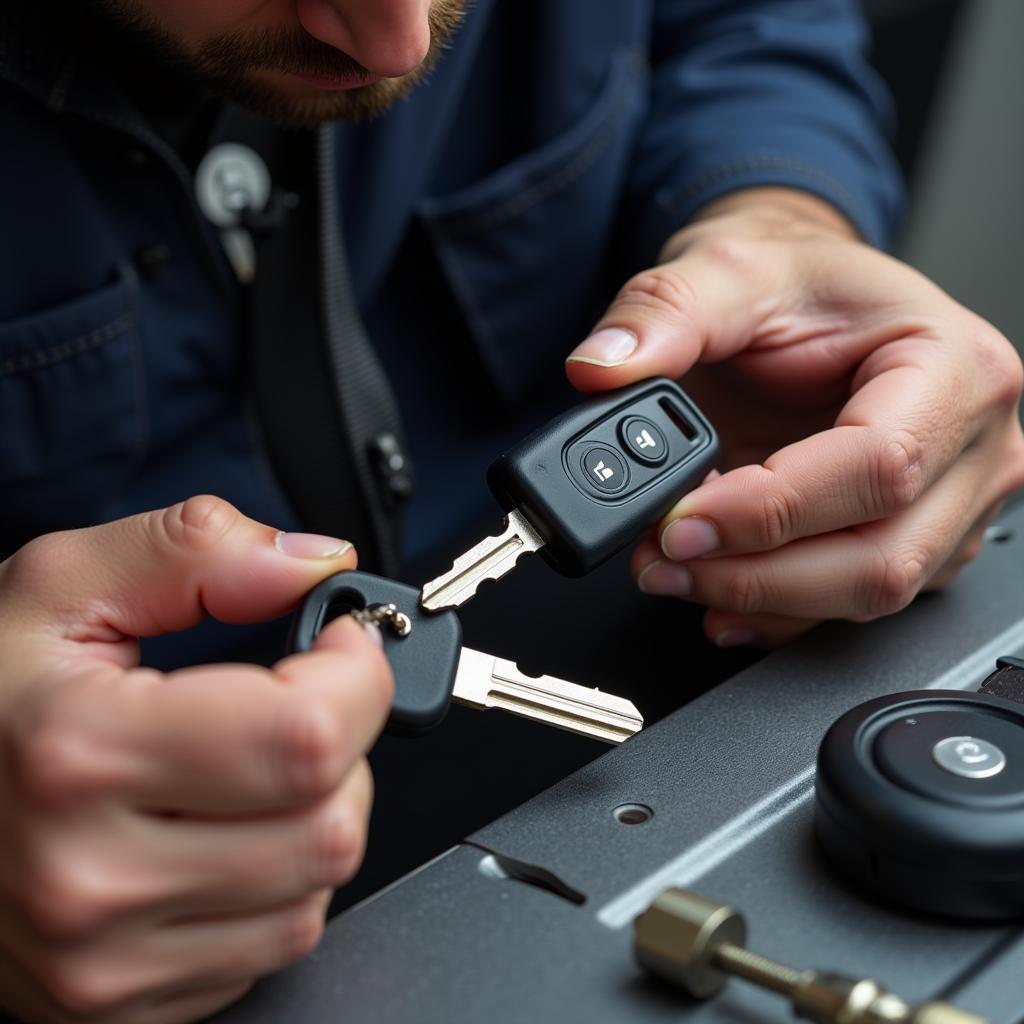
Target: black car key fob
[424,662]
[593,478]
[920,799]
[586,484]
[432,669]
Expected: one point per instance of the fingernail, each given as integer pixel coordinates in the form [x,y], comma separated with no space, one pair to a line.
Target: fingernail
[665,579]
[610,347]
[374,633]
[688,538]
[310,545]
[739,636]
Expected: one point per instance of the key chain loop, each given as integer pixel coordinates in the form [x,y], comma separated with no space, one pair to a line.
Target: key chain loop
[384,614]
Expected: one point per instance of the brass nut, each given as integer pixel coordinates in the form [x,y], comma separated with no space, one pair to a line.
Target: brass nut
[677,935]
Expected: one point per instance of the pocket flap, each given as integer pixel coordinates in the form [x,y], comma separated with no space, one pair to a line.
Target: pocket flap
[525,250]
[69,389]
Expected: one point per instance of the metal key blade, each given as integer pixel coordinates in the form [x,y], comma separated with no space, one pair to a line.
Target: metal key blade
[483,681]
[488,560]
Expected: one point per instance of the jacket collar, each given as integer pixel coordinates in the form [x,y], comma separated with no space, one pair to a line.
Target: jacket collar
[383,167]
[55,53]
[36,57]
[45,52]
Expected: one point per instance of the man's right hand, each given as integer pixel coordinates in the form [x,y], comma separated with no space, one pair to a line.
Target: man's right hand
[167,839]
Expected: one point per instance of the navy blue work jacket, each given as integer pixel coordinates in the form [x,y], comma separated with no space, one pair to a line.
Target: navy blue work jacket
[488,218]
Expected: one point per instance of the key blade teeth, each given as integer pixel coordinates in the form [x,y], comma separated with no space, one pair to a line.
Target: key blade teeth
[491,559]
[486,682]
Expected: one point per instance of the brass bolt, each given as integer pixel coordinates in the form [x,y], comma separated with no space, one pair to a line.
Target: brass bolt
[699,944]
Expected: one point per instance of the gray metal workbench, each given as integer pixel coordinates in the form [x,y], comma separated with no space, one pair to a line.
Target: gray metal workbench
[729,778]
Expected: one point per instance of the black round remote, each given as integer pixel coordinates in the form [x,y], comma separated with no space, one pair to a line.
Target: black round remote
[920,799]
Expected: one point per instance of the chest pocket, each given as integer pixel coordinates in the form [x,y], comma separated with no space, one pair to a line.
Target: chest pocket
[71,410]
[525,250]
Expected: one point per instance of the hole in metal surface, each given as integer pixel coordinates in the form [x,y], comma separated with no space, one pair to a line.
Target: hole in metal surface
[633,814]
[998,535]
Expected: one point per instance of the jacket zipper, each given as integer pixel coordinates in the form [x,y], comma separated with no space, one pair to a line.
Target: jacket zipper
[339,307]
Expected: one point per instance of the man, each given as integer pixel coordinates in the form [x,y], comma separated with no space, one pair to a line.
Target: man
[171,837]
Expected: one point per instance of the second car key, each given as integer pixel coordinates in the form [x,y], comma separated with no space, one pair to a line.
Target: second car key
[432,668]
[586,484]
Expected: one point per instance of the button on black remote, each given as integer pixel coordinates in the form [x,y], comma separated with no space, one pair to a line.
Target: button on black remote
[644,441]
[602,470]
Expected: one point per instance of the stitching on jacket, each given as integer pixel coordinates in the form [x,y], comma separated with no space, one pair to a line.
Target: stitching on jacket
[554,183]
[677,201]
[131,279]
[59,92]
[67,349]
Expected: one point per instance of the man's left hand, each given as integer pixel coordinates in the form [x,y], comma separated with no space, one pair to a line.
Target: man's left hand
[869,422]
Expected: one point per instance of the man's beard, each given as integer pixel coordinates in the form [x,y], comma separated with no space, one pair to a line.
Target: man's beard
[231,63]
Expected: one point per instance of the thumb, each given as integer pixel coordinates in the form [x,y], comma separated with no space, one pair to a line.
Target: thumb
[162,571]
[665,319]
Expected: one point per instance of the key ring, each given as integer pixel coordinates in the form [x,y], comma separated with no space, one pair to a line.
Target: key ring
[384,614]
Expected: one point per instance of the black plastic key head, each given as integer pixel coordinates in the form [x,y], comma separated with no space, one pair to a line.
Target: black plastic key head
[423,662]
[593,479]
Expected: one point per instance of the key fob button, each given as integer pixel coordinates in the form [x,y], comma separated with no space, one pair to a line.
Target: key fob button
[643,440]
[969,757]
[604,470]
[964,757]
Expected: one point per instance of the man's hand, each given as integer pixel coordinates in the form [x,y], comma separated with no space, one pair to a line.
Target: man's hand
[869,422]
[169,838]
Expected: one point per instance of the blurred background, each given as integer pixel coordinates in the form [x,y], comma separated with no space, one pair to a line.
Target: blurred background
[955,70]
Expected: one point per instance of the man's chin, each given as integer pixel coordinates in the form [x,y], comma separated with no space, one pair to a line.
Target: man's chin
[293,103]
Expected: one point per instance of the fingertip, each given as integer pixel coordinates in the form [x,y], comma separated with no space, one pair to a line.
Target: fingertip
[589,377]
[705,509]
[346,633]
[735,636]
[615,356]
[688,537]
[666,579]
[762,632]
[728,631]
[646,553]
[312,546]
[606,348]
